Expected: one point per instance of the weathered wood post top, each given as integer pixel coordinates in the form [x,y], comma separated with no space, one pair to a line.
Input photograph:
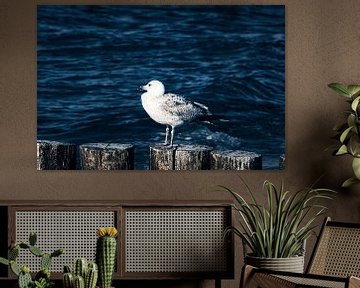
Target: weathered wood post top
[180,157]
[235,160]
[53,155]
[106,156]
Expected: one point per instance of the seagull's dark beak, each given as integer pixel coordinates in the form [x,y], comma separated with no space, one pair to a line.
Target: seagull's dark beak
[142,88]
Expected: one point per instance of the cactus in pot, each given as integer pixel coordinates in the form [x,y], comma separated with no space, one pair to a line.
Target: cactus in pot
[106,254]
[91,276]
[85,275]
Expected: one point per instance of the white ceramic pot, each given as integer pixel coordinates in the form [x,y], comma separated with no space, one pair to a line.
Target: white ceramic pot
[291,264]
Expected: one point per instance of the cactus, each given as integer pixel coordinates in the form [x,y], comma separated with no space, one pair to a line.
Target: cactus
[13,253]
[4,261]
[79,282]
[36,251]
[67,269]
[24,245]
[91,276]
[68,280]
[32,238]
[106,254]
[57,252]
[24,280]
[80,267]
[44,273]
[45,261]
[14,268]
[42,278]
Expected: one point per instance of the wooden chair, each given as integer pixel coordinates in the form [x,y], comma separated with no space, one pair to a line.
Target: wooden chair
[334,263]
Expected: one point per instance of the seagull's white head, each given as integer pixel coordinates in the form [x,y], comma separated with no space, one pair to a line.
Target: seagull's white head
[154,87]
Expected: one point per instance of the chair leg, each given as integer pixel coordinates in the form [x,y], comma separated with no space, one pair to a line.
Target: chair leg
[246,274]
[217,282]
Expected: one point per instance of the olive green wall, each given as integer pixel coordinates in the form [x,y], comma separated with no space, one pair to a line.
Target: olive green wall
[322,46]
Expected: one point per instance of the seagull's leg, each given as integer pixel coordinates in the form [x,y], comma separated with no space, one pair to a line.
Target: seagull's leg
[172,135]
[167,135]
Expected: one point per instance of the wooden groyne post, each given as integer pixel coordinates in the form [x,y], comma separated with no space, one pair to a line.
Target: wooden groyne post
[199,157]
[235,160]
[106,156]
[180,157]
[52,155]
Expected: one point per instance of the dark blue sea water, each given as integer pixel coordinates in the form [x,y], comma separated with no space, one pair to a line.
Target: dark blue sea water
[92,59]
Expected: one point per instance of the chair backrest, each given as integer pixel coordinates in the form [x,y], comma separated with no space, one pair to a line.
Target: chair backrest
[337,251]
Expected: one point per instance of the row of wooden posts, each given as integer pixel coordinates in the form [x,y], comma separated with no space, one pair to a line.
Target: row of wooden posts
[53,155]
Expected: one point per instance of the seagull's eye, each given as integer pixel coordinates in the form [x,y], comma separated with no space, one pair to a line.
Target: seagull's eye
[149,84]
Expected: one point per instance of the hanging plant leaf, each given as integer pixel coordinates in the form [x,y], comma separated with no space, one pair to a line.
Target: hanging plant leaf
[340,88]
[349,182]
[356,167]
[345,134]
[351,120]
[354,145]
[353,89]
[342,150]
[355,103]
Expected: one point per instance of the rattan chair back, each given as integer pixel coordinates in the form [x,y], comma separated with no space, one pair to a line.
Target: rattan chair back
[337,252]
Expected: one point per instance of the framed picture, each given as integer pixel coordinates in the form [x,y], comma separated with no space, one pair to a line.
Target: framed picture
[169,87]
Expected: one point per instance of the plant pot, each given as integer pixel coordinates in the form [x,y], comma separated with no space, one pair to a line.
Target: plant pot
[291,264]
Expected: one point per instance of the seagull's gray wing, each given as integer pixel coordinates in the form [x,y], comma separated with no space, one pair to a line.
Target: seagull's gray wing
[179,106]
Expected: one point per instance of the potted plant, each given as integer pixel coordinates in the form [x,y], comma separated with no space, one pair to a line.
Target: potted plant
[106,254]
[84,274]
[42,278]
[348,132]
[276,233]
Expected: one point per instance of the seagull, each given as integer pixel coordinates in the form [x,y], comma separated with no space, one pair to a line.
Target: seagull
[170,109]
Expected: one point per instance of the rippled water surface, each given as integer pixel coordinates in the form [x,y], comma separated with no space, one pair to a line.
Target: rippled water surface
[92,59]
